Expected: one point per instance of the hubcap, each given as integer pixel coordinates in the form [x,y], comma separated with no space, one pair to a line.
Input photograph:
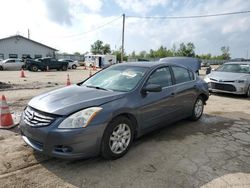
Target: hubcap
[198,108]
[120,138]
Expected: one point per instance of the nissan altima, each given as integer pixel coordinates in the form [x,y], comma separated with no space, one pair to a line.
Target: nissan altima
[232,77]
[106,112]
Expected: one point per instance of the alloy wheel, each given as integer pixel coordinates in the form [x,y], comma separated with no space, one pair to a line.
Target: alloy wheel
[198,108]
[120,138]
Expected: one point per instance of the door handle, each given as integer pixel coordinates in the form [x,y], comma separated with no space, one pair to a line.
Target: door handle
[172,94]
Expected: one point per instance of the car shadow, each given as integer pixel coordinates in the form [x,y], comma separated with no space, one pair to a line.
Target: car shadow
[145,151]
[229,95]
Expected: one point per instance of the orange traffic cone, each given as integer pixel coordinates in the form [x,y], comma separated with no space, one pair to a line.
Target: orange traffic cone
[6,121]
[68,81]
[93,67]
[22,74]
[90,73]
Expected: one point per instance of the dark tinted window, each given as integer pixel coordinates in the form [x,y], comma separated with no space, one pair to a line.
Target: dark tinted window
[38,56]
[182,75]
[1,56]
[13,56]
[161,77]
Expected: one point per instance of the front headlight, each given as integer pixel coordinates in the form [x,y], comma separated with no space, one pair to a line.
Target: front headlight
[207,79]
[80,119]
[240,81]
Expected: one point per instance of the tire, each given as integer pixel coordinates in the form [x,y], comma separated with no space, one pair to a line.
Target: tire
[197,109]
[34,68]
[64,68]
[112,146]
[248,92]
[73,66]
[1,68]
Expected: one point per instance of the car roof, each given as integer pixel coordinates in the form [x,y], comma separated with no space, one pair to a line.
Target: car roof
[238,62]
[150,64]
[12,59]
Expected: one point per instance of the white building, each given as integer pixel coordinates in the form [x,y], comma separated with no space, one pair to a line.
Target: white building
[18,47]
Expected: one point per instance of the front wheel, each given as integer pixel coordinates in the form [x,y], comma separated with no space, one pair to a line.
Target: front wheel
[117,138]
[64,68]
[73,66]
[197,109]
[34,68]
[1,68]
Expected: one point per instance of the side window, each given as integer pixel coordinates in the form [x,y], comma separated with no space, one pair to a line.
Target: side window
[182,75]
[161,76]
[10,61]
[191,75]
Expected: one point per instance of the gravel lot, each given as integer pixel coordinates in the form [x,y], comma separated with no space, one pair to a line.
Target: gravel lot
[212,152]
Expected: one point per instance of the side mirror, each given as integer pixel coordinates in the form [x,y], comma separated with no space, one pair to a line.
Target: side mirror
[152,88]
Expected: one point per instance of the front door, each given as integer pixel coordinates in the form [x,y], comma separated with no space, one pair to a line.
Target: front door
[158,107]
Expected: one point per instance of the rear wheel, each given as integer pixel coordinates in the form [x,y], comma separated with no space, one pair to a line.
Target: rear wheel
[1,68]
[73,67]
[34,68]
[117,138]
[197,109]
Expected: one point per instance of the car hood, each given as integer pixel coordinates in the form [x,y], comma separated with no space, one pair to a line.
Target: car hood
[70,99]
[227,76]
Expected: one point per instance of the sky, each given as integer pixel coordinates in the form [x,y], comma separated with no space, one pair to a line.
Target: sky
[70,25]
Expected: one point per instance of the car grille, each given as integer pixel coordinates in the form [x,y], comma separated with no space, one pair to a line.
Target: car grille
[35,118]
[223,87]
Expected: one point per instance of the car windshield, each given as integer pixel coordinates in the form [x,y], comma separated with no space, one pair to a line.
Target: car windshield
[117,78]
[237,68]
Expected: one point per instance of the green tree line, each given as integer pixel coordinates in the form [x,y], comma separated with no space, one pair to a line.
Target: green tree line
[184,49]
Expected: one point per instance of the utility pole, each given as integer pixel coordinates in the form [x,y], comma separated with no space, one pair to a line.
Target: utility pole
[123,27]
[28,33]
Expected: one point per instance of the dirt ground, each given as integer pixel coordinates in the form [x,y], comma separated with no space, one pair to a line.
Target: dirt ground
[212,152]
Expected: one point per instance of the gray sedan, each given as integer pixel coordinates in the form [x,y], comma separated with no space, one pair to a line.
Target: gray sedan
[233,77]
[106,112]
[11,64]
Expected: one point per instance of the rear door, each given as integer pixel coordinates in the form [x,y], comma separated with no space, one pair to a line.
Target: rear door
[18,64]
[158,107]
[185,90]
[53,63]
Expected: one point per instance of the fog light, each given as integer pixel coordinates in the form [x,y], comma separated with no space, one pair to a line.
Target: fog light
[63,149]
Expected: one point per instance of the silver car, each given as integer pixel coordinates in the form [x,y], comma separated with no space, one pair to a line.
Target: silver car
[11,64]
[232,77]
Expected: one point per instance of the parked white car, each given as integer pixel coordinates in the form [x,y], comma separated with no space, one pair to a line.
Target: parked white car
[232,77]
[12,64]
[72,64]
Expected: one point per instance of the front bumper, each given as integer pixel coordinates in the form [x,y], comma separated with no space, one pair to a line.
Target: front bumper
[228,87]
[63,143]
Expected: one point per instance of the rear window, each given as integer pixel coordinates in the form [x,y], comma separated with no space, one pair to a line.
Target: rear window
[182,75]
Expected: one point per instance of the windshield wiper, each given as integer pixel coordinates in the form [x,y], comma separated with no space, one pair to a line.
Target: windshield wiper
[97,87]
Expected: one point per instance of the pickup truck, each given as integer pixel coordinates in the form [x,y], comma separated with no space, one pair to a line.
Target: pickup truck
[46,63]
